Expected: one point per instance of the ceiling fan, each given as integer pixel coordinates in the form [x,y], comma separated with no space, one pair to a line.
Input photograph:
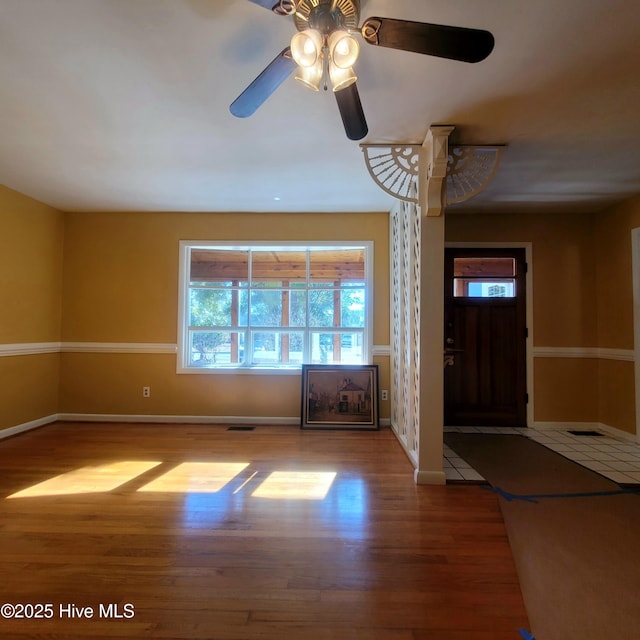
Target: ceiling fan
[325,48]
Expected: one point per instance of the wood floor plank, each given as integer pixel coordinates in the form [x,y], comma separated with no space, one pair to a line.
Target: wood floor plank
[269,534]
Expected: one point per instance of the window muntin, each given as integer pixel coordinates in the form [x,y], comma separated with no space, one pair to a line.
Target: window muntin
[260,306]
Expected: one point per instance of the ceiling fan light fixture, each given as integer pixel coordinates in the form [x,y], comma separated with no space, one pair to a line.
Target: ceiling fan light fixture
[306,47]
[324,52]
[343,48]
[341,78]
[311,77]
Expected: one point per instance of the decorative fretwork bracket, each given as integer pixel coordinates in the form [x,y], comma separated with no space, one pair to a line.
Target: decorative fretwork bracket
[396,169]
[470,170]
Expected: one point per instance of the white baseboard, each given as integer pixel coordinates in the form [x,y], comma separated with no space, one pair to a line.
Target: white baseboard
[164,419]
[27,426]
[619,434]
[167,419]
[586,426]
[429,477]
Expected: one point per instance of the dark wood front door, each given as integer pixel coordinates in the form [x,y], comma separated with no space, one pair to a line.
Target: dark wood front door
[485,337]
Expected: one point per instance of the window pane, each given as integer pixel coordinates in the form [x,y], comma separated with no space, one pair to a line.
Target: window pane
[351,347]
[266,308]
[352,307]
[477,288]
[295,347]
[275,348]
[336,348]
[210,307]
[282,267]
[484,267]
[336,265]
[321,308]
[212,348]
[219,266]
[297,308]
[243,311]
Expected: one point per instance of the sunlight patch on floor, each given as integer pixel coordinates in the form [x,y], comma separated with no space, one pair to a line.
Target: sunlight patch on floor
[296,485]
[186,477]
[196,477]
[101,478]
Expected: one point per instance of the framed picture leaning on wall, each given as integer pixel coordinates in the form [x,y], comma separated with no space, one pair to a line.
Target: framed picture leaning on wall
[340,397]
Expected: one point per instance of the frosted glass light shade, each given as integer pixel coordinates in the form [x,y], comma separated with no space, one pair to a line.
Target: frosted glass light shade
[311,77]
[341,78]
[306,47]
[343,48]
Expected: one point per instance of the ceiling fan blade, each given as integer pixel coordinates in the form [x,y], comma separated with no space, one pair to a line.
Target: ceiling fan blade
[355,124]
[455,43]
[279,7]
[276,72]
[267,4]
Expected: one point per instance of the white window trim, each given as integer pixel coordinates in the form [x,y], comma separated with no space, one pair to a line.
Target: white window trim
[183,300]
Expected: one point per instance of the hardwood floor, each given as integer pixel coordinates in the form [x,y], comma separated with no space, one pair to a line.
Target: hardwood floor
[276,534]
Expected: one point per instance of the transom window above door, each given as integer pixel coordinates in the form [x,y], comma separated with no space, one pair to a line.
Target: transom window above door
[484,277]
[273,306]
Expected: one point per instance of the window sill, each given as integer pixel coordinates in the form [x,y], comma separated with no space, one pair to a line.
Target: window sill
[278,371]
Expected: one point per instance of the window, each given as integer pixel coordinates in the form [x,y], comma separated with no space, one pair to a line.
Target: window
[489,277]
[271,306]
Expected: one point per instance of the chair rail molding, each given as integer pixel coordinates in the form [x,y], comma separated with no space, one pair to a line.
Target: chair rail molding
[599,353]
[37,348]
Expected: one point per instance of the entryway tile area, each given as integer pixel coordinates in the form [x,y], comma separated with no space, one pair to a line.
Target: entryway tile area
[616,459]
[456,468]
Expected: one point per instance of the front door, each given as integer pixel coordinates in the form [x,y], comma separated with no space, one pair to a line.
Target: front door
[485,337]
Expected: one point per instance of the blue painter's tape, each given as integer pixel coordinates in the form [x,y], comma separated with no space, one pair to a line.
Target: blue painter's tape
[526,635]
[511,496]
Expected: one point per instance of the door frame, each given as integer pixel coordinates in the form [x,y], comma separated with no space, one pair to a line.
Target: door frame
[528,254]
[635,277]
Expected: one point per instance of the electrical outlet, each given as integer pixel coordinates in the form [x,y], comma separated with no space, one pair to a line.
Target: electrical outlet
[146,392]
[385,394]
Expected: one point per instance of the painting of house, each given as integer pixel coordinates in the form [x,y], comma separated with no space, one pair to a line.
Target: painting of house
[354,399]
[339,396]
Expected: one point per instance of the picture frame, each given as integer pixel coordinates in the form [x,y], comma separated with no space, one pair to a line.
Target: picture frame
[340,397]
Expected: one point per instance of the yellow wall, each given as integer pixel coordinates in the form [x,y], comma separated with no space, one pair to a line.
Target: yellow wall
[582,297]
[31,246]
[121,286]
[563,269]
[113,278]
[564,306]
[616,380]
[614,283]
[566,389]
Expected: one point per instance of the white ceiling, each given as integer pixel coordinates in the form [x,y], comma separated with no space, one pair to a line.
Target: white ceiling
[123,105]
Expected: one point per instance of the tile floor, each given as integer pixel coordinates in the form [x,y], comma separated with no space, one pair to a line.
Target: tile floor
[618,460]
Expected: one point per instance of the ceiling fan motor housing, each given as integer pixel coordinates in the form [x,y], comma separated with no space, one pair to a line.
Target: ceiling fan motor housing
[318,14]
